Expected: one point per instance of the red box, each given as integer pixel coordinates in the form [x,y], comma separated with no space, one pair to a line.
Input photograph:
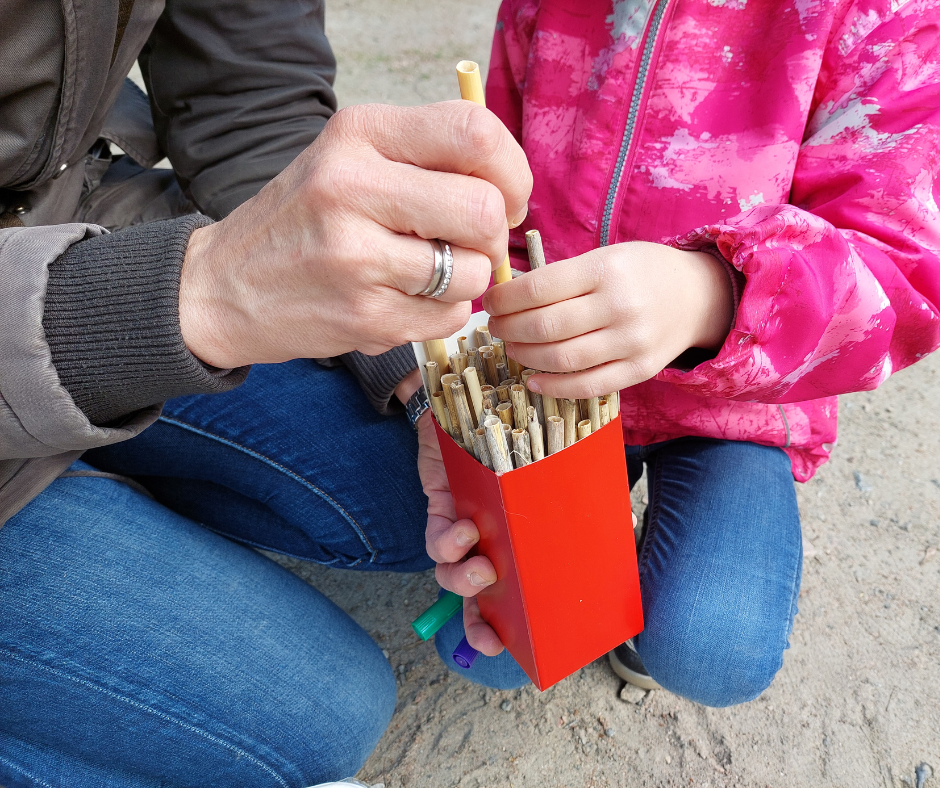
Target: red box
[560,536]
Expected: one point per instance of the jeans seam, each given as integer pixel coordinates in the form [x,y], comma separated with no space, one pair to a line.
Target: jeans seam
[259,546]
[287,471]
[653,489]
[23,771]
[143,706]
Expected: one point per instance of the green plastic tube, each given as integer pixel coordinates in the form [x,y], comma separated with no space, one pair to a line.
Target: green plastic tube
[437,615]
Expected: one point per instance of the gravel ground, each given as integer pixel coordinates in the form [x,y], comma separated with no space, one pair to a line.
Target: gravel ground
[857,702]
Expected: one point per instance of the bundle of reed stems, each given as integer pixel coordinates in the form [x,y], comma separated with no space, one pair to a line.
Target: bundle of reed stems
[479,397]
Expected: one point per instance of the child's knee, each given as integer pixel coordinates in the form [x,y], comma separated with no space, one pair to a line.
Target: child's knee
[712,669]
[500,672]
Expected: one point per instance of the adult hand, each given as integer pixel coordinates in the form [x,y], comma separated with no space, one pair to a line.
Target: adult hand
[449,540]
[330,255]
[611,318]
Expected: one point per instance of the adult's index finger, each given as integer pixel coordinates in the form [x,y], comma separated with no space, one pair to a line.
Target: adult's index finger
[451,136]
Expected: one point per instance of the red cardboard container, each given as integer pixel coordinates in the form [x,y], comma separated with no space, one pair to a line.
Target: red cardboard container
[560,536]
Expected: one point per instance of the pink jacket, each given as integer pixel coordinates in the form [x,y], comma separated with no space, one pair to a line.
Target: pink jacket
[799,137]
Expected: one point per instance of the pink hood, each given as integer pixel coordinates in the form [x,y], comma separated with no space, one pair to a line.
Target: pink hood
[801,138]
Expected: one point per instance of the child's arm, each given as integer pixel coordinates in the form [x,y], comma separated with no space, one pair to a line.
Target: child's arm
[843,286]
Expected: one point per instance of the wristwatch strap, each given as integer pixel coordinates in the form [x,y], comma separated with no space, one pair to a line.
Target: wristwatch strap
[416,405]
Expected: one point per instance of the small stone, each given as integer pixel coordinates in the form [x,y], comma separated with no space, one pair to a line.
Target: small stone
[875,522]
[506,705]
[860,482]
[632,694]
[610,732]
[668,760]
[385,653]
[401,669]
[923,773]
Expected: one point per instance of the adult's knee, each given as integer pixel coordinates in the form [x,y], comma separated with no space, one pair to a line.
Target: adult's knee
[327,731]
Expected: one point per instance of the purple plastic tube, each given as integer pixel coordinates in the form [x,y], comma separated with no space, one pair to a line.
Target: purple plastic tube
[465,654]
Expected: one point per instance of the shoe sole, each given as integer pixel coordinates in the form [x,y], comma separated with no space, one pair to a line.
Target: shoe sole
[641,680]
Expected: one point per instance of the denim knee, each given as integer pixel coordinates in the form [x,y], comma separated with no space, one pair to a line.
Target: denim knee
[500,672]
[710,667]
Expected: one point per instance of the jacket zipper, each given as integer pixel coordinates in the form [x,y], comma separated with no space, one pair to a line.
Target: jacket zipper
[639,88]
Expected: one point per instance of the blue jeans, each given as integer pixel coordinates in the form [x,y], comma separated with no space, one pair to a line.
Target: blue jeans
[720,567]
[139,647]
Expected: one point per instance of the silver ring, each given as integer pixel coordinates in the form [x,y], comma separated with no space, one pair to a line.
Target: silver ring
[448,271]
[438,249]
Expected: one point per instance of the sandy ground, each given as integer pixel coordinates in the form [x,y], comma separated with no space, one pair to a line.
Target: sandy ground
[857,702]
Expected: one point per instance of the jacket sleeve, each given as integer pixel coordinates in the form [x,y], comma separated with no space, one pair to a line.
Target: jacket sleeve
[843,284]
[38,417]
[238,89]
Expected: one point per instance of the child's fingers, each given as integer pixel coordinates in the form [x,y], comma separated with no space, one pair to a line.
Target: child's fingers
[553,323]
[595,382]
[467,578]
[479,634]
[570,355]
[549,285]
[447,542]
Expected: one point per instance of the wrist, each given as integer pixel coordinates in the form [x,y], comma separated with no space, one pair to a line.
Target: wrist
[201,305]
[408,385]
[713,300]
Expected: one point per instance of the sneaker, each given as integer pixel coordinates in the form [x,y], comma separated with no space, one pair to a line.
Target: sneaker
[628,665]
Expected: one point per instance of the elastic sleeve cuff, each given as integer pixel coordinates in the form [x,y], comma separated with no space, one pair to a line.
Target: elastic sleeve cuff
[380,375]
[111,318]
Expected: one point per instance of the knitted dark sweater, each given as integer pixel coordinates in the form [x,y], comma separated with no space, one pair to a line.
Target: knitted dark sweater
[111,318]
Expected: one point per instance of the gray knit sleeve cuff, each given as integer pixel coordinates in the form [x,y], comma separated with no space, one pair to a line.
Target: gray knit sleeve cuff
[379,375]
[111,318]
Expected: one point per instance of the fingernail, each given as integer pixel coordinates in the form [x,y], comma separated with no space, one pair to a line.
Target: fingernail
[519,218]
[476,580]
[534,386]
[464,539]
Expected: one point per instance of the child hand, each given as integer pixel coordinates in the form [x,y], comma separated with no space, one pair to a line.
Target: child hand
[612,317]
[448,540]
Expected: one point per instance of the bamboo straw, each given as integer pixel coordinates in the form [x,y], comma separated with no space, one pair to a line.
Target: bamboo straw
[613,402]
[521,453]
[484,338]
[434,376]
[536,443]
[584,428]
[519,406]
[504,411]
[487,412]
[464,344]
[471,89]
[594,413]
[515,368]
[533,242]
[458,363]
[569,409]
[489,364]
[482,450]
[556,434]
[446,380]
[463,414]
[503,394]
[502,371]
[472,382]
[496,443]
[473,357]
[489,397]
[436,350]
[549,406]
[499,348]
[604,412]
[507,436]
[439,408]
